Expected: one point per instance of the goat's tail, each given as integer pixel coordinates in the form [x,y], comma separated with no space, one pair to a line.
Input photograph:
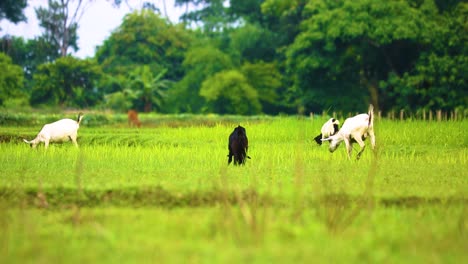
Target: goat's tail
[371,115]
[80,117]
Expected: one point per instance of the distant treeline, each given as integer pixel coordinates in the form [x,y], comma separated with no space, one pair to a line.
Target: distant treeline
[253,57]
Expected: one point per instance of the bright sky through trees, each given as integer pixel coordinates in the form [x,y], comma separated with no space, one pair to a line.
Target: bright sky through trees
[95,26]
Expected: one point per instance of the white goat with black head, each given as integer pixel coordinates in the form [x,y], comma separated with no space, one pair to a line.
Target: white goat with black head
[330,128]
[61,130]
[354,129]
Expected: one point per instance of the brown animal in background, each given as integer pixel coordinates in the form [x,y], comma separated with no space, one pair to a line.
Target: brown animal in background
[133,118]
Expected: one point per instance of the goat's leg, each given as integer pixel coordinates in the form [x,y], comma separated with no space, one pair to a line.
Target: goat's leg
[73,139]
[349,147]
[230,154]
[360,152]
[243,157]
[362,145]
[372,138]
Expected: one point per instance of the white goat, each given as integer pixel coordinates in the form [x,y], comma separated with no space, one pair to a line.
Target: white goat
[61,130]
[330,128]
[354,129]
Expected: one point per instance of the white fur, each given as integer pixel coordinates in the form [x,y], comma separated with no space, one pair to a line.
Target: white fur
[356,128]
[328,128]
[61,130]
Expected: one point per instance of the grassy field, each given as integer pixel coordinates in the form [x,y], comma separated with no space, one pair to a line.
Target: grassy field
[164,193]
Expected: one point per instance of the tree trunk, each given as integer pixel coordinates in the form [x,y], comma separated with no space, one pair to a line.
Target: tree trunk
[372,86]
[148,106]
[165,9]
[64,44]
[374,94]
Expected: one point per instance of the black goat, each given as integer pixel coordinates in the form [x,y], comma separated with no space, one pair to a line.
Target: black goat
[238,146]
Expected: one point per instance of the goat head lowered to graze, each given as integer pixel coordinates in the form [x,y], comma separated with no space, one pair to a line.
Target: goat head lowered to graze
[238,146]
[330,128]
[61,130]
[354,129]
[133,118]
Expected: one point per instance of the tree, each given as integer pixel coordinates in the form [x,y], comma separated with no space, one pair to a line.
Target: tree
[121,101]
[12,10]
[437,82]
[211,17]
[284,19]
[229,92]
[439,78]
[356,44]
[200,63]
[248,10]
[67,82]
[145,38]
[267,81]
[148,88]
[29,53]
[251,42]
[60,22]
[11,79]
[134,5]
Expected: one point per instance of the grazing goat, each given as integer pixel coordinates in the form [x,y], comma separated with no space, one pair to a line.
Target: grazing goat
[354,129]
[133,118]
[330,128]
[238,146]
[61,130]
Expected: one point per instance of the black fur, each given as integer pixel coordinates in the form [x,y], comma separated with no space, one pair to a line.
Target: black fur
[336,128]
[318,139]
[238,146]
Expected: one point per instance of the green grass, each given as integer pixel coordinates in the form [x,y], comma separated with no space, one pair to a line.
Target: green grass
[163,193]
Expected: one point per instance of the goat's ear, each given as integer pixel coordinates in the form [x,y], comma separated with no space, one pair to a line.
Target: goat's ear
[326,139]
[336,128]
[318,139]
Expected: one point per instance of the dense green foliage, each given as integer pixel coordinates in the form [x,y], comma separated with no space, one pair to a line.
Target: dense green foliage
[144,38]
[67,82]
[29,54]
[230,93]
[164,192]
[11,79]
[268,56]
[13,10]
